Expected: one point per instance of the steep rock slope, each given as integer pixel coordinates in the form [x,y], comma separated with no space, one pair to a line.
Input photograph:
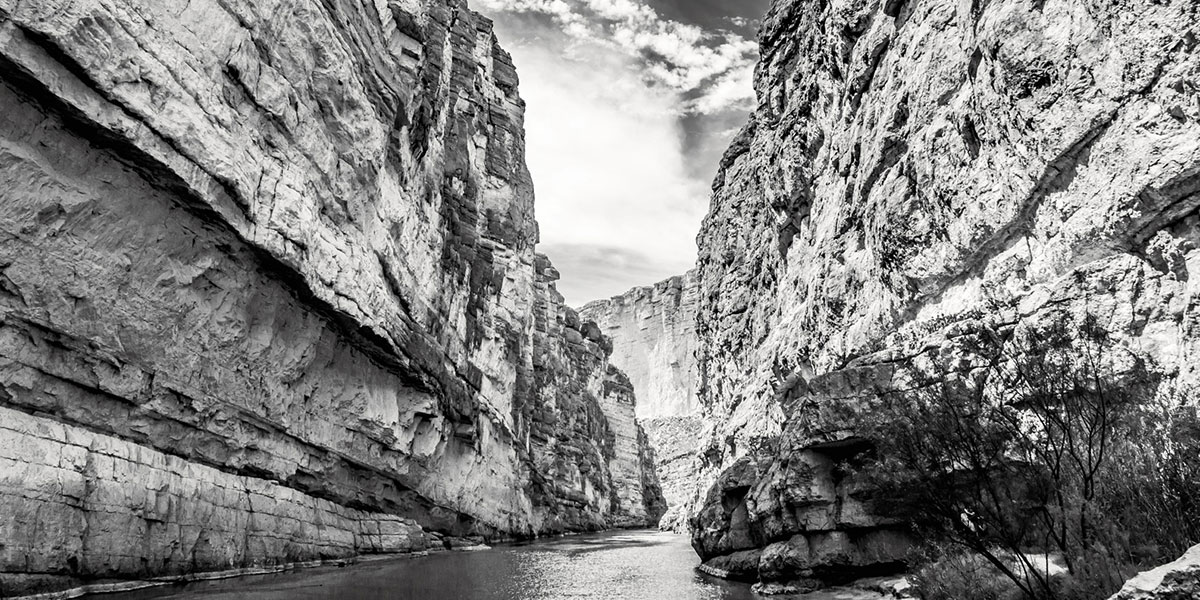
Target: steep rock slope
[268,294]
[915,168]
[653,335]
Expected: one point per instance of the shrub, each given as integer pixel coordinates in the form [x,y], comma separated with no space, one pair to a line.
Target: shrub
[1054,439]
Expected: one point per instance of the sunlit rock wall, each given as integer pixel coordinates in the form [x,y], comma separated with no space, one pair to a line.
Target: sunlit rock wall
[654,342]
[675,441]
[913,167]
[586,443]
[268,294]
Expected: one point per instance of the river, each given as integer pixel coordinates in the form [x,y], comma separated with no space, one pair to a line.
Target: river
[625,565]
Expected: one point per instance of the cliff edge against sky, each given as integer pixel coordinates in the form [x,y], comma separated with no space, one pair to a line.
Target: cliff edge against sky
[914,172]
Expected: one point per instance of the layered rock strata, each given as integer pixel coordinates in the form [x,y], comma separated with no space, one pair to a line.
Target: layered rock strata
[914,170]
[269,294]
[675,441]
[653,335]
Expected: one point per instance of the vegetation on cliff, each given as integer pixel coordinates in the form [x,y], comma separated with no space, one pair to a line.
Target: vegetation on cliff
[1047,456]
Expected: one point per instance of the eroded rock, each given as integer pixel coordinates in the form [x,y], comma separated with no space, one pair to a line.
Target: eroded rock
[653,335]
[1177,580]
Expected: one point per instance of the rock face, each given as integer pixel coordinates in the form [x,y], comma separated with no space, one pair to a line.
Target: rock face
[653,329]
[912,168]
[269,294]
[1179,580]
[675,441]
[654,340]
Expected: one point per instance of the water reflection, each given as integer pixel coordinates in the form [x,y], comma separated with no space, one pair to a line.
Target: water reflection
[612,566]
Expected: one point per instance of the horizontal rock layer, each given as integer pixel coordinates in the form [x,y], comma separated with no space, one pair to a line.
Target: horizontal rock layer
[913,167]
[675,441]
[282,246]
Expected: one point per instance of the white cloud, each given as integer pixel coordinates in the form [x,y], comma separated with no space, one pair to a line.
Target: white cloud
[743,21]
[626,116]
[728,91]
[609,165]
[679,56]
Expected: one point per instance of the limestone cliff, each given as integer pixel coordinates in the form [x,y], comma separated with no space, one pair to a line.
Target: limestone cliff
[269,294]
[1179,579]
[653,335]
[914,168]
[653,329]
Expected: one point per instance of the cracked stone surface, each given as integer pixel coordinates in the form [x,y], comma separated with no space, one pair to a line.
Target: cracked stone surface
[914,167]
[282,249]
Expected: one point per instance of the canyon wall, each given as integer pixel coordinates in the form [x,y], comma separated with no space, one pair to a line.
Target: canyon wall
[269,294]
[653,333]
[653,329]
[915,170]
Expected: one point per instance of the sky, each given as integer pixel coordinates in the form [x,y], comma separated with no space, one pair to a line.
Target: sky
[629,106]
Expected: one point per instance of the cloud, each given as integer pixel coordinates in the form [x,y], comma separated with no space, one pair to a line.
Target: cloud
[712,68]
[627,114]
[727,91]
[743,22]
[610,167]
[603,271]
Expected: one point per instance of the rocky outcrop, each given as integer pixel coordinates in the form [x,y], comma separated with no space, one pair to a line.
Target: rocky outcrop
[675,441]
[653,335]
[268,294]
[593,464]
[914,169]
[1179,580]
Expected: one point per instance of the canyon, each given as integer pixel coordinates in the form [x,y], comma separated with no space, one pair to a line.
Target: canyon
[653,333]
[269,295]
[270,292]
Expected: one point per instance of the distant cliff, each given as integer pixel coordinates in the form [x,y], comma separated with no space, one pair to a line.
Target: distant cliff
[269,294]
[913,170]
[653,333]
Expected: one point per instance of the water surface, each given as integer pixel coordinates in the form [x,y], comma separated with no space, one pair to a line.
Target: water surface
[626,565]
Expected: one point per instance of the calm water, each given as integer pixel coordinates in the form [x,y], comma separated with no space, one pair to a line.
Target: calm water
[628,565]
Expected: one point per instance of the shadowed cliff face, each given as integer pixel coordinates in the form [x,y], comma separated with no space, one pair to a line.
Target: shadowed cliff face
[914,168]
[268,294]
